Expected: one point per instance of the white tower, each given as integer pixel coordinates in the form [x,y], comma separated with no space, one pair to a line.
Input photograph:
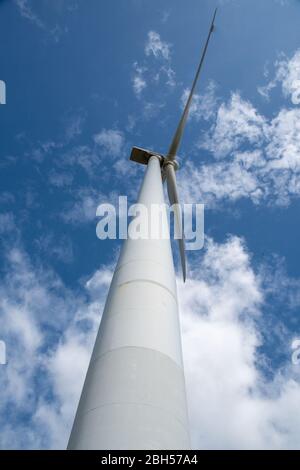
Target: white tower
[134,392]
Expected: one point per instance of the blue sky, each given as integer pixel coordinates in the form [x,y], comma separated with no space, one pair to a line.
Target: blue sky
[86,81]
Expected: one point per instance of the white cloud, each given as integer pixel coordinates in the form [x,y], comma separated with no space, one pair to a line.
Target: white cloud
[43,150]
[165,16]
[158,72]
[169,74]
[7,222]
[218,182]
[156,46]
[110,141]
[283,149]
[74,126]
[56,247]
[138,80]
[50,332]
[256,158]
[232,405]
[6,197]
[83,207]
[151,110]
[203,106]
[237,122]
[54,31]
[26,11]
[283,3]
[60,179]
[83,156]
[287,73]
[138,84]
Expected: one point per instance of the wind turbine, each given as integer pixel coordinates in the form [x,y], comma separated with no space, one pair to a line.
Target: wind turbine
[134,392]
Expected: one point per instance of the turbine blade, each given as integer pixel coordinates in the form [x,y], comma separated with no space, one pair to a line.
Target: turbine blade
[174,200]
[179,131]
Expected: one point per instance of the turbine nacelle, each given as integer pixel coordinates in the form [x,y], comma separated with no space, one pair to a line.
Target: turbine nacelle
[140,155]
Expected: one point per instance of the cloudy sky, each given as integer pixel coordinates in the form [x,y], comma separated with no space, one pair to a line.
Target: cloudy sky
[87,80]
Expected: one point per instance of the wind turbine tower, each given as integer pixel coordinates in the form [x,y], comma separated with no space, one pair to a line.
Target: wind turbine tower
[134,392]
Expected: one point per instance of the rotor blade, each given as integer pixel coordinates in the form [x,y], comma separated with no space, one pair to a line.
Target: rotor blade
[179,131]
[173,197]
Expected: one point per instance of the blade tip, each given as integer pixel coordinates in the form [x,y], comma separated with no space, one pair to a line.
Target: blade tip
[215,13]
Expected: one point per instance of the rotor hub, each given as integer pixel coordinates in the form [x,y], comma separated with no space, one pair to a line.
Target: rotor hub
[174,163]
